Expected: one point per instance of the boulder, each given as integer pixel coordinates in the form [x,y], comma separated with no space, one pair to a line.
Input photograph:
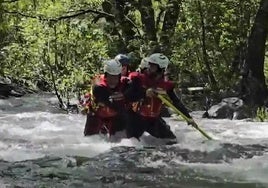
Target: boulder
[7,88]
[231,108]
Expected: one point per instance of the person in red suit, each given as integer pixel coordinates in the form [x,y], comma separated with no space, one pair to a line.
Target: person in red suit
[125,61]
[145,114]
[106,107]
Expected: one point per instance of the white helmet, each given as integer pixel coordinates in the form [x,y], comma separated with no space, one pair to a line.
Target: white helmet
[159,59]
[112,67]
[144,63]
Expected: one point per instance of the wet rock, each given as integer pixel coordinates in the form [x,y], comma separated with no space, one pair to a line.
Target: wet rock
[231,108]
[8,88]
[16,93]
[5,90]
[130,167]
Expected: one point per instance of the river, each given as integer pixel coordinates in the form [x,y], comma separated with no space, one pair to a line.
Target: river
[41,146]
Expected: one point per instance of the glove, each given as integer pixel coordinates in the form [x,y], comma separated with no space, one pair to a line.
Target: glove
[84,111]
[150,92]
[192,122]
[161,91]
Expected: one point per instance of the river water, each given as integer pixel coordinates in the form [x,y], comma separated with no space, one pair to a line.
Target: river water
[43,147]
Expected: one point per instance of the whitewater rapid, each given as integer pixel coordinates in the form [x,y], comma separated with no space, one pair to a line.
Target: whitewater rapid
[30,128]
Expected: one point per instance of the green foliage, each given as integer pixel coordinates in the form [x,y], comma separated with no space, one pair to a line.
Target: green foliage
[262,114]
[38,41]
[71,50]
[227,25]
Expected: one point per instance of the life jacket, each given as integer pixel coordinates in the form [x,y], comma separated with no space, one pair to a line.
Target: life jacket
[87,101]
[151,106]
[116,96]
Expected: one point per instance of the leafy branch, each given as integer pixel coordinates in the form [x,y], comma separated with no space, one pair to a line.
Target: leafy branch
[79,13]
[11,1]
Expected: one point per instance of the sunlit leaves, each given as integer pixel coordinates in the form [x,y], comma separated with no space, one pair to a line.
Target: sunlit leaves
[38,38]
[72,49]
[227,25]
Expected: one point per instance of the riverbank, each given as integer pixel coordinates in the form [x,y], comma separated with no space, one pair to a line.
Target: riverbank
[14,88]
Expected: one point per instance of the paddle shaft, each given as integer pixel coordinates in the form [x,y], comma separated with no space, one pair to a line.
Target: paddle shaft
[169,104]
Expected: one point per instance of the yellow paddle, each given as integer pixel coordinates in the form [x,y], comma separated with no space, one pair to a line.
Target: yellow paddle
[169,104]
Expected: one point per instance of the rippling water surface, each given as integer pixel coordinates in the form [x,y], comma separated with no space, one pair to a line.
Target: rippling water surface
[43,147]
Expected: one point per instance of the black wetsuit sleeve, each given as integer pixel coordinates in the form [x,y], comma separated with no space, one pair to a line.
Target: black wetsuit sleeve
[177,103]
[102,95]
[134,90]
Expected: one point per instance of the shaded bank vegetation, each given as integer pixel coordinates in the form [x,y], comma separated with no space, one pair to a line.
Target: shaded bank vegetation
[57,45]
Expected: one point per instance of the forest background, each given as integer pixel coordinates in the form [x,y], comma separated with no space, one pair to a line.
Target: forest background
[58,45]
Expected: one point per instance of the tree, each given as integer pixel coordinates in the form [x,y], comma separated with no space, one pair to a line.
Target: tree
[73,37]
[254,88]
[150,22]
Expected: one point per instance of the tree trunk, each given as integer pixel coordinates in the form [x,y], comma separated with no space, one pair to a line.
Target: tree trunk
[204,48]
[147,18]
[125,25]
[169,25]
[2,34]
[253,81]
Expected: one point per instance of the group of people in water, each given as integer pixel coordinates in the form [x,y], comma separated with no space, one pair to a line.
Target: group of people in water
[123,100]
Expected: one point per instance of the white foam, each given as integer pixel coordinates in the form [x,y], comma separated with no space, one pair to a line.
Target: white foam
[246,170]
[36,134]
